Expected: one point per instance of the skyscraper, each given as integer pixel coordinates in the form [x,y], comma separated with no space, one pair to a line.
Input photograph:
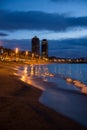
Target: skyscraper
[44,48]
[36,46]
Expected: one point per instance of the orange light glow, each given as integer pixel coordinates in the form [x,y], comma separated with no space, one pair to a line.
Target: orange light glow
[16,50]
[26,53]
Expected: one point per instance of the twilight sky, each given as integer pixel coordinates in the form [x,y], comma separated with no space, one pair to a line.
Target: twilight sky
[57,20]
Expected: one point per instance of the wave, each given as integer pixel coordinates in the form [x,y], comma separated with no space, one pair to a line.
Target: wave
[77,83]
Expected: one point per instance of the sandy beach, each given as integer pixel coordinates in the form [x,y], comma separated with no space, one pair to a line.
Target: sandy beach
[20,107]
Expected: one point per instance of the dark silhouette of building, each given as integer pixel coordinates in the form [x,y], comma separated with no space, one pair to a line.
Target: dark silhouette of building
[44,48]
[1,50]
[36,46]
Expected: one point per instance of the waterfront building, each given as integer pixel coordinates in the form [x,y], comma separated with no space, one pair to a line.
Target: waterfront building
[44,48]
[35,46]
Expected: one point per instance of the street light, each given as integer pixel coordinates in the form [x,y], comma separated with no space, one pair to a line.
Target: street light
[16,51]
[26,53]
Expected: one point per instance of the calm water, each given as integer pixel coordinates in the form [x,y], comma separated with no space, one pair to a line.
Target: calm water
[75,71]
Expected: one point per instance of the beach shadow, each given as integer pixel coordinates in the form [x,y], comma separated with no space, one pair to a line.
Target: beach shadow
[42,113]
[5,102]
[22,92]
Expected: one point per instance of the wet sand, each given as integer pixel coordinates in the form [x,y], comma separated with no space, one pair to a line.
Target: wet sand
[20,107]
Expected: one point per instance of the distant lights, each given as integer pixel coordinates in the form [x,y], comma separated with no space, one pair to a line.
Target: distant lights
[26,53]
[16,50]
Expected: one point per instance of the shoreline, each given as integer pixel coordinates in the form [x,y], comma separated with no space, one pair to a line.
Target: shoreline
[20,106]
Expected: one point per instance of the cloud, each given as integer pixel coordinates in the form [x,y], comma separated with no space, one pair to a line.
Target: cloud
[37,20]
[32,20]
[3,34]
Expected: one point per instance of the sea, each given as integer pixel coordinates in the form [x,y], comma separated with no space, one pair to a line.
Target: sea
[64,87]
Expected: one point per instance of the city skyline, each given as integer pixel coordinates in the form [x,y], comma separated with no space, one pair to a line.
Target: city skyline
[56,20]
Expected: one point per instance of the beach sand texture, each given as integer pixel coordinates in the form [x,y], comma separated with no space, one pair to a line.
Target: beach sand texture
[20,108]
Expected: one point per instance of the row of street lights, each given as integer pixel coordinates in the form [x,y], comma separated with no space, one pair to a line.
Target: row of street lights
[17,51]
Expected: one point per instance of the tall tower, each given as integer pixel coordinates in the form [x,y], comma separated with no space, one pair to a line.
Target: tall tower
[35,46]
[44,48]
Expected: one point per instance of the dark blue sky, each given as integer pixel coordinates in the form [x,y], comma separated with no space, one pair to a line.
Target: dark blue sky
[59,20]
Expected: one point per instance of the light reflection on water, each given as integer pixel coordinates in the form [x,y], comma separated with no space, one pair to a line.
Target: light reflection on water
[34,71]
[51,73]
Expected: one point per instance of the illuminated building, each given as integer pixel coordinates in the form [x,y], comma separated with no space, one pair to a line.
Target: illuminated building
[36,46]
[44,48]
